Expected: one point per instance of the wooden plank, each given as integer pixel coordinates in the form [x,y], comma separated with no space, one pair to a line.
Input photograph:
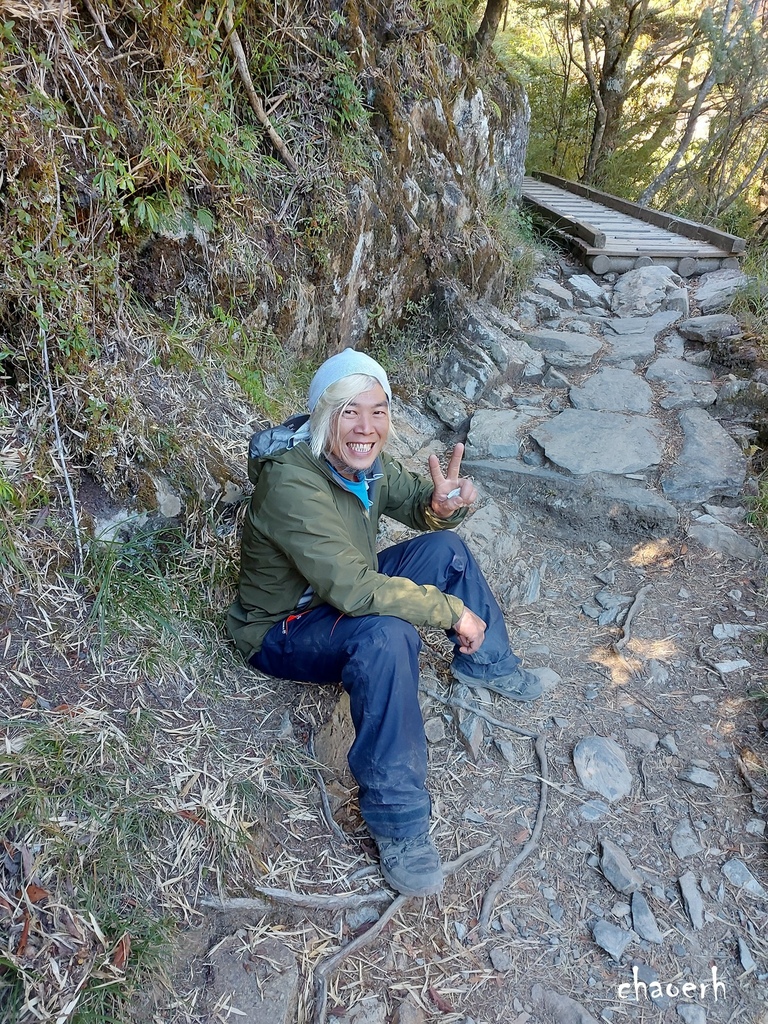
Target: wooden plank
[579,228]
[691,229]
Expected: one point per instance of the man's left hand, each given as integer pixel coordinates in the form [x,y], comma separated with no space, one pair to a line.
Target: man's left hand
[451,491]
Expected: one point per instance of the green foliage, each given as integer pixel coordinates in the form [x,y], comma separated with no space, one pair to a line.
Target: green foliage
[409,347]
[757,513]
[136,590]
[77,788]
[750,304]
[452,21]
[519,242]
[256,359]
[648,65]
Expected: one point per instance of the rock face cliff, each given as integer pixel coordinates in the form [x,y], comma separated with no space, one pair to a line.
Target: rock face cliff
[445,149]
[172,273]
[440,160]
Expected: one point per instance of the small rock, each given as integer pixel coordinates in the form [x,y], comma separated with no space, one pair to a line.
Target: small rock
[409,1012]
[692,899]
[745,955]
[691,1014]
[717,537]
[669,743]
[564,1009]
[643,739]
[700,777]
[736,665]
[548,678]
[587,291]
[263,985]
[370,1010]
[729,630]
[755,827]
[507,923]
[554,379]
[500,958]
[507,750]
[612,939]
[434,730]
[643,921]
[617,869]
[474,817]
[556,912]
[684,841]
[715,290]
[607,577]
[594,810]
[472,735]
[360,917]
[602,767]
[553,290]
[709,328]
[647,976]
[658,673]
[450,409]
[738,874]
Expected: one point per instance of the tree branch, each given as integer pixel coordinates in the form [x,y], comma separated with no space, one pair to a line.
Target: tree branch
[258,107]
[504,878]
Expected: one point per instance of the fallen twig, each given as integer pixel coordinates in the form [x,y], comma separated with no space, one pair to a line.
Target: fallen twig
[710,665]
[326,967]
[493,891]
[326,807]
[634,608]
[57,433]
[258,107]
[746,773]
[456,702]
[310,901]
[99,22]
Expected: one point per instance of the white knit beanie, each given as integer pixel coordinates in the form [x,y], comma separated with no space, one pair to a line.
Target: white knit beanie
[343,365]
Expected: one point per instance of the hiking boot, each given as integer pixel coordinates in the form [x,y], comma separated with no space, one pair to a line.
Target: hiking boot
[518,685]
[411,866]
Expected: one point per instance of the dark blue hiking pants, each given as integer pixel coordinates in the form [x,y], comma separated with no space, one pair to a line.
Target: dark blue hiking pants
[376,658]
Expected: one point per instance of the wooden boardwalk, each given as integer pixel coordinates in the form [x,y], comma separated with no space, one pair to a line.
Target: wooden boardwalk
[613,234]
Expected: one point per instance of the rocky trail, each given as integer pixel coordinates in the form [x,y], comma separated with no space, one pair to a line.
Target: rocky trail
[610,458]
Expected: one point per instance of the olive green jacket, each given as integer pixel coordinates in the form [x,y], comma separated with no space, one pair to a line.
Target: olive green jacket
[303,529]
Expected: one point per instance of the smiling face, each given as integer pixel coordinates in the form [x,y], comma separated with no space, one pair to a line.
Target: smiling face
[360,432]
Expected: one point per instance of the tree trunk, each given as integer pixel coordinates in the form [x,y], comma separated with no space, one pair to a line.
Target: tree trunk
[489,26]
[704,89]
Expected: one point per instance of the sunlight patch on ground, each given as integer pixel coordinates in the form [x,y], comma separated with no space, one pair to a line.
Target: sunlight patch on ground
[663,649]
[619,668]
[659,552]
[622,666]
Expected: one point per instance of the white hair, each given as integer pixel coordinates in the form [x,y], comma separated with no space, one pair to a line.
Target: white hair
[324,418]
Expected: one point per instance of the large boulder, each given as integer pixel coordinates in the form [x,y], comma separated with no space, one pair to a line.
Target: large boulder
[648,289]
[716,290]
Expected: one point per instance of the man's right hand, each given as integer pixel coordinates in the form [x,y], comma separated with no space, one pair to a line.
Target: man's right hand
[470,630]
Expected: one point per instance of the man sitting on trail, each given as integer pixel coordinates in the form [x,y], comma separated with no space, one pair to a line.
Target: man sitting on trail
[317,604]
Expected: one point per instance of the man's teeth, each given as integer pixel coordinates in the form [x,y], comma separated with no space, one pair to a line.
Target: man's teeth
[362,449]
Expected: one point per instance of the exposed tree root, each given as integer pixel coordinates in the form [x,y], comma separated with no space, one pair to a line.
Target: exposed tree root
[326,967]
[493,891]
[456,702]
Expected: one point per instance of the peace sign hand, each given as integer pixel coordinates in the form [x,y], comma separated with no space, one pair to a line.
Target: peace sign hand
[451,491]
